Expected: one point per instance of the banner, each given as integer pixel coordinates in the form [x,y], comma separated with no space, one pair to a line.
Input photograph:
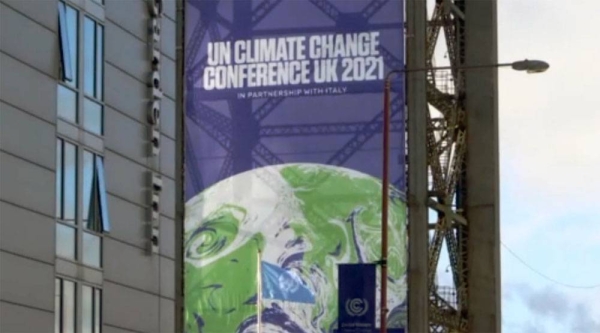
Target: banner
[283,159]
[356,300]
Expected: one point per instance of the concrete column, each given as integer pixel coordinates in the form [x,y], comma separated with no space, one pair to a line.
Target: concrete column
[482,168]
[418,320]
[179,177]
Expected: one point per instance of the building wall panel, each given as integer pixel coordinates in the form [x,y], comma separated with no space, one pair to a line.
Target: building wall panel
[167,237]
[126,179]
[126,94]
[129,225]
[119,303]
[131,15]
[27,185]
[127,52]
[167,118]
[44,12]
[37,36]
[167,315]
[126,136]
[167,278]
[21,319]
[16,128]
[26,282]
[133,268]
[19,82]
[27,233]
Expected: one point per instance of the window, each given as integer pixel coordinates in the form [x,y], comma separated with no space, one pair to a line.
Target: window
[65,308]
[91,310]
[66,181]
[95,213]
[67,24]
[69,54]
[65,304]
[94,193]
[66,199]
[93,53]
[94,210]
[93,36]
[71,95]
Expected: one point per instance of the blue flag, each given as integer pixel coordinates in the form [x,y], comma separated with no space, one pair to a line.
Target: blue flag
[285,285]
[356,298]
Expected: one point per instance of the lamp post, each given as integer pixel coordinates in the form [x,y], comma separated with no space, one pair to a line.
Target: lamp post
[530,66]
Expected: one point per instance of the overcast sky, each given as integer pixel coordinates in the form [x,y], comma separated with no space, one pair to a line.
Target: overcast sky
[550,166]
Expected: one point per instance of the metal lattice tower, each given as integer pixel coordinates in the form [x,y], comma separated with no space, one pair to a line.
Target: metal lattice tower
[445,156]
[447,143]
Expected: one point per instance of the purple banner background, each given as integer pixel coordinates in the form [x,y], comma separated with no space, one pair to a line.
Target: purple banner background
[228,136]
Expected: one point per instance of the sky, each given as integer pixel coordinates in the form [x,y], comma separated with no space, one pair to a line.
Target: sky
[550,167]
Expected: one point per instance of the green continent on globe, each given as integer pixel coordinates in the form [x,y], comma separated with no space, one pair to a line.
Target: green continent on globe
[330,215]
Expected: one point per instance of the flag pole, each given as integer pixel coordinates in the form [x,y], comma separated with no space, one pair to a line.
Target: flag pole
[259,292]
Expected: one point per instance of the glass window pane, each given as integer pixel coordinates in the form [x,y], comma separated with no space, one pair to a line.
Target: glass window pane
[88,173]
[57,293]
[65,241]
[89,55]
[66,103]
[99,62]
[65,54]
[87,309]
[102,193]
[92,248]
[72,22]
[59,180]
[97,310]
[68,307]
[70,182]
[92,120]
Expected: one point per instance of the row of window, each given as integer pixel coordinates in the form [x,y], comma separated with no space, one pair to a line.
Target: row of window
[81,207]
[67,312]
[70,96]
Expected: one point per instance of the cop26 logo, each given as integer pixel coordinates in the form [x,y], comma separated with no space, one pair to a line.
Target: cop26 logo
[357,307]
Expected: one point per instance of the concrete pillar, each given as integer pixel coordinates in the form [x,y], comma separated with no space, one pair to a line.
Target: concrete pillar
[482,168]
[179,179]
[418,320]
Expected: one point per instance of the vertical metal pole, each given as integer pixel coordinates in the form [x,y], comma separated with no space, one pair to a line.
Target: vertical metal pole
[259,298]
[385,184]
[418,255]
[482,202]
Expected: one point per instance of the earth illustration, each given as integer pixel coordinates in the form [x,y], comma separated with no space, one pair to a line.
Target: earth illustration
[301,219]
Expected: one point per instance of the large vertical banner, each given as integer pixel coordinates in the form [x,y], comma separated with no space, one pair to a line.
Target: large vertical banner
[283,147]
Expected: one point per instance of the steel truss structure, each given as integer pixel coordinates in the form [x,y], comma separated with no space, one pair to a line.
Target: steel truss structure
[446,161]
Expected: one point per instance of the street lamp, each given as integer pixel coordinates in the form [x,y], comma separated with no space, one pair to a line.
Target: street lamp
[530,66]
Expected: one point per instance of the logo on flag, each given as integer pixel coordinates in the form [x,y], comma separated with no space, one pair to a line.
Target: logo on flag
[357,307]
[285,285]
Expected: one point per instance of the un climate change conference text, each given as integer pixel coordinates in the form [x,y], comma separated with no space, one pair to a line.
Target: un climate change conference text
[296,60]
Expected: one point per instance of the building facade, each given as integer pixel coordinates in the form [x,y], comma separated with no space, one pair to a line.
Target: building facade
[88,131]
